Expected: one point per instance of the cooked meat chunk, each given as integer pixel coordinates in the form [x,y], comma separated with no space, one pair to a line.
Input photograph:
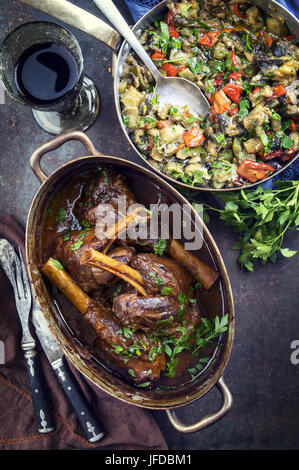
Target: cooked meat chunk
[160,271]
[129,353]
[106,190]
[69,253]
[147,312]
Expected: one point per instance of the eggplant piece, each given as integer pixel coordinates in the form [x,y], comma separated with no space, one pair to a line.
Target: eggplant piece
[280,48]
[267,65]
[276,143]
[289,111]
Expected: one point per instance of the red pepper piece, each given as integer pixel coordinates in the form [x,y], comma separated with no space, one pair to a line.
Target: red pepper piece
[255,90]
[236,11]
[289,37]
[268,39]
[233,91]
[158,55]
[235,76]
[209,39]
[254,171]
[269,156]
[220,102]
[288,155]
[169,18]
[278,91]
[232,111]
[173,31]
[150,143]
[233,58]
[170,69]
[293,126]
[193,137]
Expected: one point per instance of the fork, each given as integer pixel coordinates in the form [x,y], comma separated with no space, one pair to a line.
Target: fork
[15,270]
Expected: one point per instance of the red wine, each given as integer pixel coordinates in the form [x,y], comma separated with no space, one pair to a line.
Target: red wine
[45,73]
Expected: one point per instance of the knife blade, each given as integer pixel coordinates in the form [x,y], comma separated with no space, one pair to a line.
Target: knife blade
[92,428]
[15,270]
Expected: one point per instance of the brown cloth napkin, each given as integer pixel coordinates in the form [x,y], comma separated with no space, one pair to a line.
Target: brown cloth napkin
[127,427]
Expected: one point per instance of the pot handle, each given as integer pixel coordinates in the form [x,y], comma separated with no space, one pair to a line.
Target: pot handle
[54,144]
[79,18]
[208,419]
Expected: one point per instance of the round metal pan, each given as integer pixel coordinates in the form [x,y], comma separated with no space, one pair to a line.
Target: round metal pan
[92,25]
[149,185]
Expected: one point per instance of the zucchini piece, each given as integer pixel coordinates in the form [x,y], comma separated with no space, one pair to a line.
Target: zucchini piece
[237,146]
[253,145]
[132,98]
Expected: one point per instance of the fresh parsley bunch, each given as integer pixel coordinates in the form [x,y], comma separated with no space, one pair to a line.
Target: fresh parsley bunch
[262,217]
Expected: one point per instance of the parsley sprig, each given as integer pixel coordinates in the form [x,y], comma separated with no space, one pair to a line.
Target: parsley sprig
[262,218]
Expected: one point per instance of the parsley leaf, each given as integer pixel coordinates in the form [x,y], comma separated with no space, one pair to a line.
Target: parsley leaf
[160,247]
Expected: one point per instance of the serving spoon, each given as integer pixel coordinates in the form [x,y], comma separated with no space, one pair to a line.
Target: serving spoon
[173,90]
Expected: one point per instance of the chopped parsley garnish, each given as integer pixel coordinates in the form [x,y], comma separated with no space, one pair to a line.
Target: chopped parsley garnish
[56,263]
[160,247]
[75,246]
[61,215]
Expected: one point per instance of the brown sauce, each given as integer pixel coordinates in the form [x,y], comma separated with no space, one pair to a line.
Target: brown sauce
[61,216]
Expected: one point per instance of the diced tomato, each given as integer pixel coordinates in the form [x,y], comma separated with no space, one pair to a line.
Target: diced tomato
[254,171]
[158,55]
[169,18]
[233,58]
[289,37]
[164,123]
[233,91]
[232,111]
[170,69]
[293,126]
[235,76]
[236,10]
[193,137]
[220,102]
[278,91]
[173,32]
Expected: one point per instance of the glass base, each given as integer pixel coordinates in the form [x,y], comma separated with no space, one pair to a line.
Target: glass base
[80,117]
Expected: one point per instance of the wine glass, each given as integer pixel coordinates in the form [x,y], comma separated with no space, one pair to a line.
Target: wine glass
[41,66]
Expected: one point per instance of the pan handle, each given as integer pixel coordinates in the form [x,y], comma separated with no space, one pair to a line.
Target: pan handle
[53,144]
[208,419]
[79,18]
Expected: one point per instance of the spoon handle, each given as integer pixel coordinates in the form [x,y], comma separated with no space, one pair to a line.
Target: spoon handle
[113,15]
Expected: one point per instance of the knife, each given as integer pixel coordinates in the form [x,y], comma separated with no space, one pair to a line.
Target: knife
[92,428]
[16,273]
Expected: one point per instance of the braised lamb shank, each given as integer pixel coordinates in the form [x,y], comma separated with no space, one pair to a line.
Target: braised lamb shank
[128,325]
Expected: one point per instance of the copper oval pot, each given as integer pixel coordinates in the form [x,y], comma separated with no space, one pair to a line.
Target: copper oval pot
[145,185]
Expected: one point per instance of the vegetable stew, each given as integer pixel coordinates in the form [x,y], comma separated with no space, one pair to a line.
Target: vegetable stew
[245,61]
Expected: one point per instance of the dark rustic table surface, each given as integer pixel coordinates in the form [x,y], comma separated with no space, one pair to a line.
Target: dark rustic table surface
[260,374]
